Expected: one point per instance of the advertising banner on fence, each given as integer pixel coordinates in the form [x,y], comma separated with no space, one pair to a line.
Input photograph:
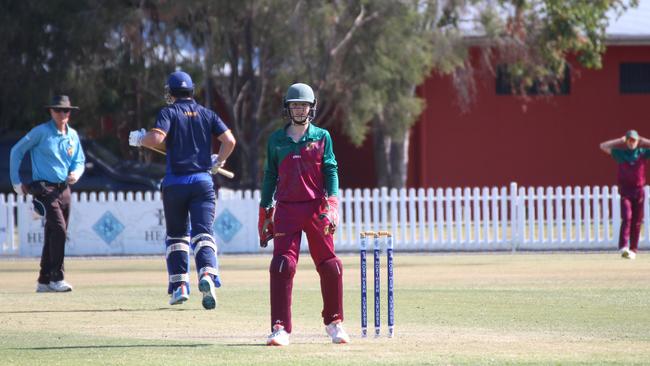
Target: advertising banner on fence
[6,227]
[134,225]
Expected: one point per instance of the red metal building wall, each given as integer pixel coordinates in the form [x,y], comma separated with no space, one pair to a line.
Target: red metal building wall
[544,141]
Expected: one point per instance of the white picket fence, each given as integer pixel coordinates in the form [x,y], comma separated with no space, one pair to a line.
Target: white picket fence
[476,219]
[459,219]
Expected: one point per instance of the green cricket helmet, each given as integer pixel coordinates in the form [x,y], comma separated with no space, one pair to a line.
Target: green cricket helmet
[300,92]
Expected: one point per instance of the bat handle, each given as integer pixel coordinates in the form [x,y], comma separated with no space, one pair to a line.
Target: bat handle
[225,173]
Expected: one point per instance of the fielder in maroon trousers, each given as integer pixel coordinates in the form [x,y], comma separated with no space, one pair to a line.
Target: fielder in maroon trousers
[631,159]
[301,175]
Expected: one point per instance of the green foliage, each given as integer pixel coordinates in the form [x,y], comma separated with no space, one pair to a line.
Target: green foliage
[536,38]
[363,58]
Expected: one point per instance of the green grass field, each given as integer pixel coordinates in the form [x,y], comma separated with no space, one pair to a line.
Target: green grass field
[561,308]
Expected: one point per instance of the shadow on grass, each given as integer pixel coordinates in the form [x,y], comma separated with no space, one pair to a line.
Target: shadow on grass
[114,346]
[93,311]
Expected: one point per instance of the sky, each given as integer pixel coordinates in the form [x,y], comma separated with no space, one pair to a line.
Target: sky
[633,22]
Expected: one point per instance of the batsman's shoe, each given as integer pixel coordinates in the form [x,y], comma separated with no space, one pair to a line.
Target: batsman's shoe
[43,287]
[631,255]
[625,252]
[337,333]
[206,286]
[60,286]
[279,337]
[180,295]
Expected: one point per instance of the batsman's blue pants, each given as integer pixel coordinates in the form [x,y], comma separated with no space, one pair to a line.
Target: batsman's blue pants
[189,211]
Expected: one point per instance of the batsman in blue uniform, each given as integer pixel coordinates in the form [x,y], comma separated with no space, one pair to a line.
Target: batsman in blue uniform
[188,193]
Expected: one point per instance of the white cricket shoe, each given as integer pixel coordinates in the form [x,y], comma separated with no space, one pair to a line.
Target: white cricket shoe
[206,286]
[60,286]
[279,337]
[631,255]
[179,295]
[337,333]
[43,287]
[625,252]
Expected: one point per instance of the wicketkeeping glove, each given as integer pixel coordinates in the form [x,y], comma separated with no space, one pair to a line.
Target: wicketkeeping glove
[330,212]
[265,225]
[135,137]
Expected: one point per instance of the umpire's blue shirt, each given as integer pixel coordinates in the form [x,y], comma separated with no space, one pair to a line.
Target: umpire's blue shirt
[54,154]
[188,127]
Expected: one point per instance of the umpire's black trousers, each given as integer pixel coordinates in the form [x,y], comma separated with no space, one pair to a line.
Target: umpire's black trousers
[55,198]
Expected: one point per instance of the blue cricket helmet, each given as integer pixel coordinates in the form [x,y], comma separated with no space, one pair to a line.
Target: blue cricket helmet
[180,80]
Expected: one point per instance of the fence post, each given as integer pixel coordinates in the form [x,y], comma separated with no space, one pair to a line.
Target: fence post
[559,214]
[606,216]
[531,198]
[467,214]
[550,215]
[616,213]
[597,218]
[541,196]
[422,219]
[485,215]
[577,209]
[431,216]
[449,217]
[494,203]
[478,215]
[503,198]
[646,219]
[514,216]
[440,217]
[568,209]
[587,222]
[458,218]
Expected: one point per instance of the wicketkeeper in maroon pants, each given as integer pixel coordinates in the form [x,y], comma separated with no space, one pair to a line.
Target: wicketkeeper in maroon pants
[301,175]
[631,159]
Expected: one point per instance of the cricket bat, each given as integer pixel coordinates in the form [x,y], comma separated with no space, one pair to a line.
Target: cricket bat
[161,149]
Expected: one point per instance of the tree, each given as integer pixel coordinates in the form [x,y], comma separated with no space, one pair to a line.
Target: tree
[364,59]
[534,39]
[41,56]
[347,50]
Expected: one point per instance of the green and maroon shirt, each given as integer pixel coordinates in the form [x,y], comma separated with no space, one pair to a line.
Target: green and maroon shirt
[299,171]
[631,168]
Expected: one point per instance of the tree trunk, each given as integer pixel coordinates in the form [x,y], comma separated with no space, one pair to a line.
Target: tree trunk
[399,161]
[207,65]
[253,157]
[381,148]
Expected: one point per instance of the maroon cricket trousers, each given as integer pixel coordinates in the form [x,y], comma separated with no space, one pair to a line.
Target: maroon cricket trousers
[290,220]
[631,218]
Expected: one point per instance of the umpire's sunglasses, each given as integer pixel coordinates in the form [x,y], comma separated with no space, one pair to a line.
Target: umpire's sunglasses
[61,110]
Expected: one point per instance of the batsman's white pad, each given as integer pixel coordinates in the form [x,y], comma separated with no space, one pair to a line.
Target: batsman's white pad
[182,277]
[210,270]
[178,247]
[203,240]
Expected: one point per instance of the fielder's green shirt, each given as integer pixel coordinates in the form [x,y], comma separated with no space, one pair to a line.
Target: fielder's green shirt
[299,171]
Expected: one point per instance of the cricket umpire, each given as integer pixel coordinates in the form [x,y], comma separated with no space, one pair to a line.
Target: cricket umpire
[57,162]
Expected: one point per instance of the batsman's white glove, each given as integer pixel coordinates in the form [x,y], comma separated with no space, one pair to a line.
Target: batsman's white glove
[216,164]
[18,188]
[135,137]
